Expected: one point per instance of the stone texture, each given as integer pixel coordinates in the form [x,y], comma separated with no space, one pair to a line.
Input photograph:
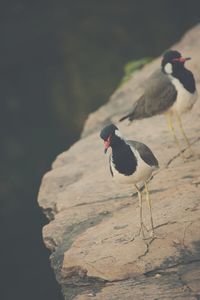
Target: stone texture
[92,220]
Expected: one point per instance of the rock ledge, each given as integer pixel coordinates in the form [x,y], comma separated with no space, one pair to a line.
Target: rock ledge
[92,219]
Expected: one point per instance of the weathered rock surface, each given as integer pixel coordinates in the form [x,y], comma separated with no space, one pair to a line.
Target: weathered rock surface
[92,220]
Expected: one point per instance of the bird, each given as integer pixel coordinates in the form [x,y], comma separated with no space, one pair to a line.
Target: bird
[170,90]
[130,162]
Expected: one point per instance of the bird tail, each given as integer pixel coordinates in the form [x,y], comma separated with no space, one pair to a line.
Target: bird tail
[130,117]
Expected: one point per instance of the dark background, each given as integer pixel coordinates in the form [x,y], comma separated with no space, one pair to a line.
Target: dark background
[60,60]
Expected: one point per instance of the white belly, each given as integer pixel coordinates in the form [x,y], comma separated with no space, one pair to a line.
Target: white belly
[185,100]
[143,172]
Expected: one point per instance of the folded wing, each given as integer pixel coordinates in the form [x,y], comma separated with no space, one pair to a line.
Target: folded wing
[160,94]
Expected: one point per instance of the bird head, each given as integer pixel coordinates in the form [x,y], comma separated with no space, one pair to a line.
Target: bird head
[172,60]
[107,134]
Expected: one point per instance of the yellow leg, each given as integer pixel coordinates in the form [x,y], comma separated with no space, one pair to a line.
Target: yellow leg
[149,205]
[171,128]
[142,226]
[183,133]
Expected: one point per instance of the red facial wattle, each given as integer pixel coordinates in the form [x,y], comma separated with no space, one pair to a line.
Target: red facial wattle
[107,144]
[181,59]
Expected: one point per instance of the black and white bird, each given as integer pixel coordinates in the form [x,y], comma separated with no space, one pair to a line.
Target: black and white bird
[130,162]
[171,90]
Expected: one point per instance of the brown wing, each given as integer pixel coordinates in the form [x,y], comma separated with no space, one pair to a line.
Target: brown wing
[159,95]
[145,153]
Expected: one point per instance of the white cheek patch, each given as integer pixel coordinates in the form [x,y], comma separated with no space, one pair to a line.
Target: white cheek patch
[117,132]
[168,68]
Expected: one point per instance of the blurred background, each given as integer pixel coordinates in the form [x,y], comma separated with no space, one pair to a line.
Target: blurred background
[59,61]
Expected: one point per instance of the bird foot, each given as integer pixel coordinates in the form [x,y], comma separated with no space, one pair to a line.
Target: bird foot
[187,153]
[152,236]
[155,236]
[191,155]
[141,232]
[182,155]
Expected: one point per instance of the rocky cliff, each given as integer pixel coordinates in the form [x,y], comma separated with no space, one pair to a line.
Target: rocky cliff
[92,220]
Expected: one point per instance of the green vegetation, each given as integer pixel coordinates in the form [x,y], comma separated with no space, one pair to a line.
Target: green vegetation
[133,66]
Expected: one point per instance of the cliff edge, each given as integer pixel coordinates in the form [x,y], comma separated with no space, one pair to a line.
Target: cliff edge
[92,220]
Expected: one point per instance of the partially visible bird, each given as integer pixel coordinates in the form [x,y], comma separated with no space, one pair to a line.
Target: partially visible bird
[130,162]
[171,90]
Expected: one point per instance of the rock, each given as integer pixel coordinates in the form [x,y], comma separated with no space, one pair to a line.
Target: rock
[92,220]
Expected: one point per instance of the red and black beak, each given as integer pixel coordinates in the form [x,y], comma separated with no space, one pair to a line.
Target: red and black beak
[181,59]
[107,144]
